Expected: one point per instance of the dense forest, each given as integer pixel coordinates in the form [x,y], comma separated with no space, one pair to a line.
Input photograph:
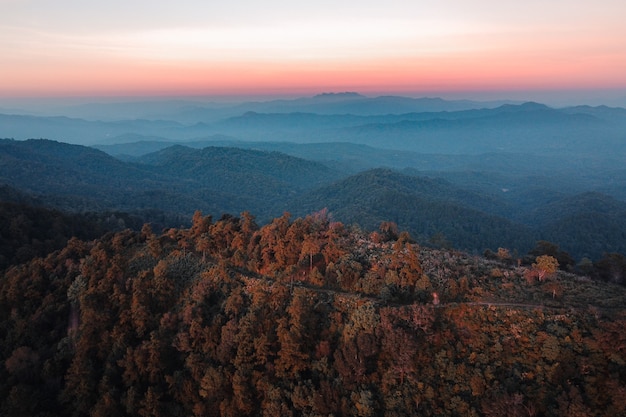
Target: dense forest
[29,228]
[304,317]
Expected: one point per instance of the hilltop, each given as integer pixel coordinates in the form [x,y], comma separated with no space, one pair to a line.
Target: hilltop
[302,317]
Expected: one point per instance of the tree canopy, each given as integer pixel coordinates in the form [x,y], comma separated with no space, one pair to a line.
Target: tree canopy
[300,317]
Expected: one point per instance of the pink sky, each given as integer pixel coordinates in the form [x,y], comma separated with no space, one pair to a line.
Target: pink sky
[67,48]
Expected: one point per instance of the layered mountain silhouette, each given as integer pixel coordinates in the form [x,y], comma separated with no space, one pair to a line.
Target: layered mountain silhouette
[178,180]
[528,128]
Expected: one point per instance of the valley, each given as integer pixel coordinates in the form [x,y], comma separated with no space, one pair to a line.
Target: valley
[333,255]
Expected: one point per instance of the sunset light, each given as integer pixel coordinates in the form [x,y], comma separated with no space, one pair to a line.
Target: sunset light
[277,47]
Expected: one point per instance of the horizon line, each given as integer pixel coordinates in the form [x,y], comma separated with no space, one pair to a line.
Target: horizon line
[592,96]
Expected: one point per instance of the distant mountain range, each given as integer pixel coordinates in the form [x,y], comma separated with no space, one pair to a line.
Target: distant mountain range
[480,174]
[529,128]
[470,213]
[190,111]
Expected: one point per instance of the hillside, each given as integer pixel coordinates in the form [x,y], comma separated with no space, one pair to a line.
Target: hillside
[173,181]
[589,224]
[28,231]
[473,217]
[519,173]
[457,205]
[302,317]
[430,209]
[216,166]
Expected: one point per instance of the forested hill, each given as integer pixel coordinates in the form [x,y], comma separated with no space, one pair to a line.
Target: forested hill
[219,166]
[438,212]
[173,181]
[428,208]
[303,317]
[28,231]
[470,210]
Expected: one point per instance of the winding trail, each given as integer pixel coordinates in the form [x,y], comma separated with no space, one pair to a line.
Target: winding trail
[379,300]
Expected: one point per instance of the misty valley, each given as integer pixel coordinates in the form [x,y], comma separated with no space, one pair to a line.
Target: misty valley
[477,175]
[328,255]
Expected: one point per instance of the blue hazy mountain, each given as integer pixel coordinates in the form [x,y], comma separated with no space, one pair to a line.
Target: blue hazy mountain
[530,128]
[534,169]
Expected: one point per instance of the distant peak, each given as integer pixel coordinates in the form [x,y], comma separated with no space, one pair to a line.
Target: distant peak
[532,105]
[527,106]
[343,95]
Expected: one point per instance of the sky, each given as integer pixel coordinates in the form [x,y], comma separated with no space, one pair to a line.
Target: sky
[73,48]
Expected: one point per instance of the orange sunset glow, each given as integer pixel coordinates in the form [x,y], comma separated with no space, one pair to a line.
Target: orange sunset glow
[276,48]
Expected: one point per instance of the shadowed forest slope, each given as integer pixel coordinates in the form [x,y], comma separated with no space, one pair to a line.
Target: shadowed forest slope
[302,317]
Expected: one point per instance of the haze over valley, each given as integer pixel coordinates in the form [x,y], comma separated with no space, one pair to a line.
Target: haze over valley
[482,175]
